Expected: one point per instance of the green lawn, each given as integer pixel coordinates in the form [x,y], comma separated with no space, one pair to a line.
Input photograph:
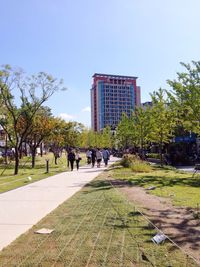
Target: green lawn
[96,227]
[8,181]
[180,187]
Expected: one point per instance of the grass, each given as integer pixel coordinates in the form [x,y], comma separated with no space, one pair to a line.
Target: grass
[135,163]
[96,227]
[8,181]
[180,187]
[139,166]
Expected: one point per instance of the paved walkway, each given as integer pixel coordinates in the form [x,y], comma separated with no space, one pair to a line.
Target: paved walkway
[21,208]
[186,168]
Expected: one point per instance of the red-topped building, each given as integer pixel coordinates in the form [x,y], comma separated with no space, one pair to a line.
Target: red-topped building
[112,95]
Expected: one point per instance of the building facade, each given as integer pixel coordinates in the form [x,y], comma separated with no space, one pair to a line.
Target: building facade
[112,95]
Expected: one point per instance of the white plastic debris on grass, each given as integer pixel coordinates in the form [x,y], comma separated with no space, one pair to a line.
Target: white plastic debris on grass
[159,238]
[29,178]
[44,231]
[151,188]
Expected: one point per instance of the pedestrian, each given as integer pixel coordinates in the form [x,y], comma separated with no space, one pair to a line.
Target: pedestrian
[93,157]
[98,157]
[78,159]
[106,156]
[67,150]
[89,156]
[71,159]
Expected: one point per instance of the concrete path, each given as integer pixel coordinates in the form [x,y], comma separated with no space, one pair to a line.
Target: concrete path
[21,208]
[186,168]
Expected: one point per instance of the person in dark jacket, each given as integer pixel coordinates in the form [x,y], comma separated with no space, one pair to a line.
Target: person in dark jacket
[71,159]
[93,157]
[106,156]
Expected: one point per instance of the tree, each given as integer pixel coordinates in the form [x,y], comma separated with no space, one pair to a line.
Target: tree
[63,135]
[73,135]
[185,96]
[162,121]
[125,132]
[22,97]
[56,139]
[106,138]
[85,140]
[89,138]
[40,130]
[142,121]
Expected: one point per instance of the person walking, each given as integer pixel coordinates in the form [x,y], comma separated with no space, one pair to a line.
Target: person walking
[78,159]
[89,156]
[106,156]
[67,153]
[71,159]
[99,157]
[93,157]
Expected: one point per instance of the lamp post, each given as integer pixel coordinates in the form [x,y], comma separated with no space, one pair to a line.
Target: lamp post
[47,165]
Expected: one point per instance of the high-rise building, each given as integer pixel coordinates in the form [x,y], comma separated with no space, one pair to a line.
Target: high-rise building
[112,95]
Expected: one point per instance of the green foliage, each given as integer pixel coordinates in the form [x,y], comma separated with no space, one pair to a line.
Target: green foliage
[127,160]
[185,96]
[153,155]
[141,166]
[134,131]
[22,97]
[135,163]
[125,133]
[106,140]
[142,122]
[89,138]
[162,120]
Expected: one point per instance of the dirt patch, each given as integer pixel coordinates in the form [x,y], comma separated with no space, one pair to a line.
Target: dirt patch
[177,223]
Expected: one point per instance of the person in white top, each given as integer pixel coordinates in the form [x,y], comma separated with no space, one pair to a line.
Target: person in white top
[98,157]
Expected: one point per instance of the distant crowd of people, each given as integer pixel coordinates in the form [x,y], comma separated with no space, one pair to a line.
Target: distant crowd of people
[93,156]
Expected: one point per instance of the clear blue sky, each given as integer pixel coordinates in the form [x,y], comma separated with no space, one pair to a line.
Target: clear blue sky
[73,39]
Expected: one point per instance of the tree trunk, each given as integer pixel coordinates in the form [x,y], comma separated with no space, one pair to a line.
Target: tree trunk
[161,145]
[16,161]
[20,152]
[56,163]
[41,149]
[25,149]
[161,156]
[33,157]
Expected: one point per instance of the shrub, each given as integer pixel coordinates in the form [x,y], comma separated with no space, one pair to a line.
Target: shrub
[153,155]
[141,166]
[135,163]
[128,160]
[2,160]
